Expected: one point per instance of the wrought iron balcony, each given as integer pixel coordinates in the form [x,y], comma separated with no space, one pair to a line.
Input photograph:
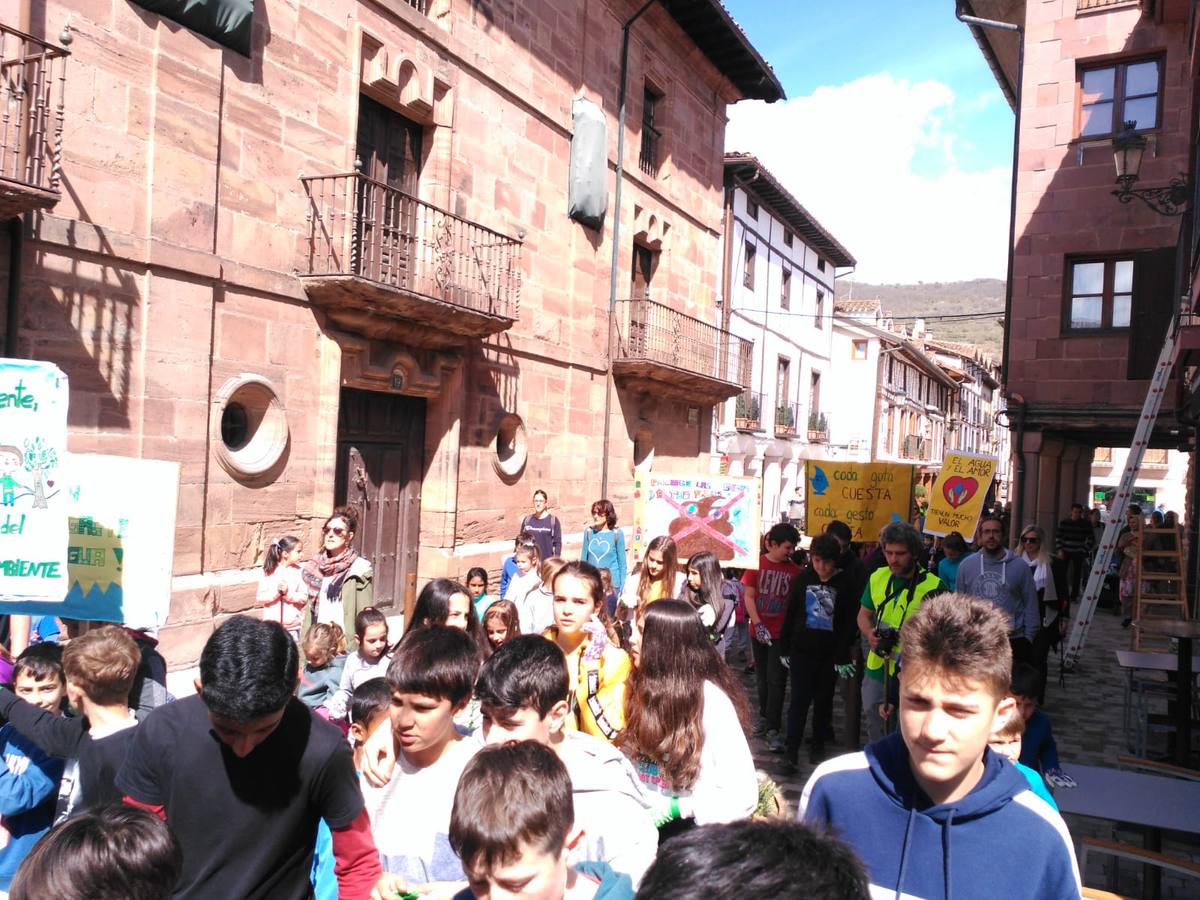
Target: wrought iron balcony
[379,260]
[661,349]
[747,411]
[818,427]
[32,83]
[787,419]
[914,447]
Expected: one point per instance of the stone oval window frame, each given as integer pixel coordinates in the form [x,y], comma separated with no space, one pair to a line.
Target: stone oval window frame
[510,448]
[263,416]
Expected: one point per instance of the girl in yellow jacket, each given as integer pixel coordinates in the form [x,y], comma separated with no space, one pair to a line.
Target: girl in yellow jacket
[597,666]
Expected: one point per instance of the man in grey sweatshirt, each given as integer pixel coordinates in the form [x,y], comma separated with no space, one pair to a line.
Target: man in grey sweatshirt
[1000,577]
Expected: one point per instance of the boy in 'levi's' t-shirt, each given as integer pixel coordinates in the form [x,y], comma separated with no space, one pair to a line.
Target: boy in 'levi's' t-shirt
[766,599]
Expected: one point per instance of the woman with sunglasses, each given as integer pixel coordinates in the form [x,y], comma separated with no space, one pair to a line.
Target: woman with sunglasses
[1034,551]
[337,578]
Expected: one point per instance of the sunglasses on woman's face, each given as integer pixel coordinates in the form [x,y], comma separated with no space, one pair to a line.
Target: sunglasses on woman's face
[1030,539]
[334,530]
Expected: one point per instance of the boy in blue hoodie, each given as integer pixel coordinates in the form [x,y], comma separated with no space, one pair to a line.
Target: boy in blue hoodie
[931,811]
[29,779]
[513,827]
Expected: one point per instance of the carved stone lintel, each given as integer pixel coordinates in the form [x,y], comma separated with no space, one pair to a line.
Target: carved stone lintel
[413,371]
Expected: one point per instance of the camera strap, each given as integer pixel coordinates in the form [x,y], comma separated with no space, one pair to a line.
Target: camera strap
[918,577]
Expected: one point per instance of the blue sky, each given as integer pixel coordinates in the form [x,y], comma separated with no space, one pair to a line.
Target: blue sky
[850,65]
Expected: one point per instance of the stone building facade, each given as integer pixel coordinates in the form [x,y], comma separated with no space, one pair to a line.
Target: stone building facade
[1094,280]
[341,269]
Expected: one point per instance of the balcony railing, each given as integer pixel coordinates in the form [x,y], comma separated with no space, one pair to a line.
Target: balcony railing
[818,427]
[664,345]
[747,411]
[32,84]
[914,447]
[787,419]
[648,155]
[421,6]
[364,228]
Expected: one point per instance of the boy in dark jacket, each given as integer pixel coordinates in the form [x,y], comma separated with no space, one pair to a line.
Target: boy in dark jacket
[931,811]
[818,633]
[100,667]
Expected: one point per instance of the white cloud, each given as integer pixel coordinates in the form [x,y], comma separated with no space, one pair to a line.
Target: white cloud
[874,160]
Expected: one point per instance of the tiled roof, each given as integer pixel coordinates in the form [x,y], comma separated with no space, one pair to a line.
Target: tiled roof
[857,306]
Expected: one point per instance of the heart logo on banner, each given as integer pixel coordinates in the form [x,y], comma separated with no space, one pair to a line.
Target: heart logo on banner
[959,490]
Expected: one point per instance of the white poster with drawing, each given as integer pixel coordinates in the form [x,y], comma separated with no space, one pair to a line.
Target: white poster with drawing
[33,509]
[121,541]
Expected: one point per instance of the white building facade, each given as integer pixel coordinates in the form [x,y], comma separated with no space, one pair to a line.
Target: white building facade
[779,269]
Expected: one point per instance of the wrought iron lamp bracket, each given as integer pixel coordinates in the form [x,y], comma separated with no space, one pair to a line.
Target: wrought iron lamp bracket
[1169,200]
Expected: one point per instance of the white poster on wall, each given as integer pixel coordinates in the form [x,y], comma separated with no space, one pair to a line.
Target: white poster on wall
[33,509]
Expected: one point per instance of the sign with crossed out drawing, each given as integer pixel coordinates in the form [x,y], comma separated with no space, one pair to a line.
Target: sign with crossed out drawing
[716,513]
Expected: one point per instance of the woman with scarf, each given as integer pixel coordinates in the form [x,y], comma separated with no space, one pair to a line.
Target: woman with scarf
[1033,550]
[337,578]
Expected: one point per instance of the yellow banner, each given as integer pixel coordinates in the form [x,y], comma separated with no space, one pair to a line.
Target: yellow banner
[866,496]
[957,497]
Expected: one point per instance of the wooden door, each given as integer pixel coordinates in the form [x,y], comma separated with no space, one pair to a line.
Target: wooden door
[389,148]
[380,463]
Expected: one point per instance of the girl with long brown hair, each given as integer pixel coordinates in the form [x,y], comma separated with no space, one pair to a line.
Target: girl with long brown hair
[659,576]
[688,745]
[597,667]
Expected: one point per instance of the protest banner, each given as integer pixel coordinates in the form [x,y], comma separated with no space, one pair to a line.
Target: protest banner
[866,496]
[958,495]
[33,514]
[716,513]
[121,524]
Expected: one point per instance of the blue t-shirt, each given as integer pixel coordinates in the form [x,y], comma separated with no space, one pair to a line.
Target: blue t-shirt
[1036,784]
[947,569]
[606,550]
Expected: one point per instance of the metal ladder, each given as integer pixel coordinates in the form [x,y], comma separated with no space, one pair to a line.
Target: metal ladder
[1116,514]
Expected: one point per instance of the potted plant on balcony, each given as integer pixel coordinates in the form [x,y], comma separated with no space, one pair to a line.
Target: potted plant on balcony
[746,412]
[785,421]
[818,427]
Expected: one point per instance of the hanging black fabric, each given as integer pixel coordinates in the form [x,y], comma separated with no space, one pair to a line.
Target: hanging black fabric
[225,21]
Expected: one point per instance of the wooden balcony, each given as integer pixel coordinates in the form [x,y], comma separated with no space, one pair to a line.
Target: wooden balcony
[382,263]
[661,350]
[32,81]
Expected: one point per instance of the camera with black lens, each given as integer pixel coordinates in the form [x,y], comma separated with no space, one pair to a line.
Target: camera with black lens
[886,639]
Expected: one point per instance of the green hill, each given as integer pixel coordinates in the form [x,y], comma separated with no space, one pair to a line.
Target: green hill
[934,298]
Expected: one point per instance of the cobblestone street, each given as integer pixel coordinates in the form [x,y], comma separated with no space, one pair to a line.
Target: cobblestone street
[1086,711]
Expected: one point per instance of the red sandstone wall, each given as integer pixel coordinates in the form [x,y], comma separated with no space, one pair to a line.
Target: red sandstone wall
[1064,204]
[168,266]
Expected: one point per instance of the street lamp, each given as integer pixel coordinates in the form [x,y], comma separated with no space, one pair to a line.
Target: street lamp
[1128,149]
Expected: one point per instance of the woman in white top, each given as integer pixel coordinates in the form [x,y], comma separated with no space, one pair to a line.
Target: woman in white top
[688,746]
[1033,550]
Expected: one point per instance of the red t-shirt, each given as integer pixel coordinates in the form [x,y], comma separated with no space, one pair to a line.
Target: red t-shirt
[772,584]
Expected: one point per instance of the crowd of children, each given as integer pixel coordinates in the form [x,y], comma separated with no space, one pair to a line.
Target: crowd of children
[580,733]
